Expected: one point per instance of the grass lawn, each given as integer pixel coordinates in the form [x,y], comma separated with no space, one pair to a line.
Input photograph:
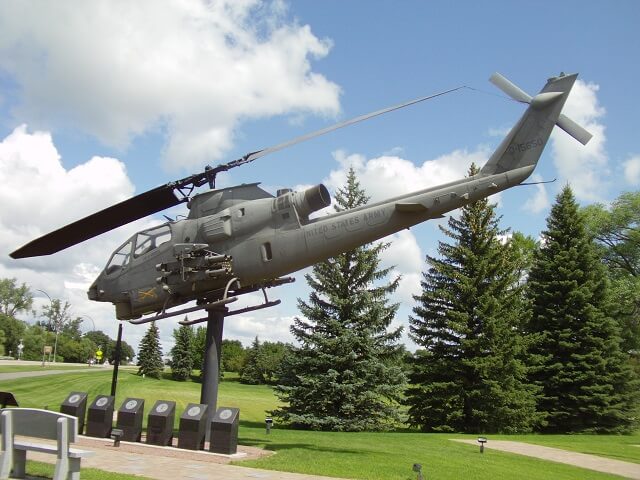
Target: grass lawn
[382,456]
[387,456]
[40,469]
[50,390]
[38,368]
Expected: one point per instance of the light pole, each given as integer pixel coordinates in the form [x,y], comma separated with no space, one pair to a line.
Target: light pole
[55,324]
[92,322]
[58,320]
[93,330]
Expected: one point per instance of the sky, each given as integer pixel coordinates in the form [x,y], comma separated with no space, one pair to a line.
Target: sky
[103,100]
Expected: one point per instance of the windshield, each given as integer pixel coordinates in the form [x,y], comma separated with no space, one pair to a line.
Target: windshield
[120,258]
[150,239]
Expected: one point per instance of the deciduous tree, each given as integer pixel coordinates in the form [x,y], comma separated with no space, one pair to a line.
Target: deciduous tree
[13,298]
[616,231]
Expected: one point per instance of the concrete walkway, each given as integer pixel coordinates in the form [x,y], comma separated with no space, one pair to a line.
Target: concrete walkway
[591,462]
[40,373]
[166,463]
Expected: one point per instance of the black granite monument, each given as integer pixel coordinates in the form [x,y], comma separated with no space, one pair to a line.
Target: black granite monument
[76,404]
[224,431]
[160,423]
[100,416]
[193,427]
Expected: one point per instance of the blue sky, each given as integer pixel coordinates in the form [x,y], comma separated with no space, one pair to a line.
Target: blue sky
[113,98]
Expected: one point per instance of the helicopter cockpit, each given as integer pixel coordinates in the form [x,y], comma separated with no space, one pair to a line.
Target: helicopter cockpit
[138,245]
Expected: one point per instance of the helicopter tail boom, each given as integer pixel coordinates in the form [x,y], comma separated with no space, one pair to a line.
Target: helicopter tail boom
[524,144]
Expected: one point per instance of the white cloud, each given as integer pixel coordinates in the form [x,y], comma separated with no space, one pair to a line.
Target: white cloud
[38,196]
[583,166]
[191,69]
[632,170]
[388,176]
[407,261]
[539,201]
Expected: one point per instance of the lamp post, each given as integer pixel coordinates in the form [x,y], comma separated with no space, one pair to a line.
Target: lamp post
[482,441]
[417,467]
[55,324]
[59,314]
[92,322]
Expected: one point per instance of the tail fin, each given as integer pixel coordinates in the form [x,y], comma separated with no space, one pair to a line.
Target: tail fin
[524,144]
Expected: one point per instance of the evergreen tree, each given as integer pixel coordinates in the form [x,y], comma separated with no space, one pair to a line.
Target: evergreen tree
[470,375]
[181,359]
[251,371]
[587,383]
[150,353]
[346,374]
[197,349]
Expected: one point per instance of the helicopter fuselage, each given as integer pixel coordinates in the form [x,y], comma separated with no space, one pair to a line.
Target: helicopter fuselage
[246,234]
[240,239]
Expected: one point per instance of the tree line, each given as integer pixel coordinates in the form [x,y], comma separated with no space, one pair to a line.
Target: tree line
[71,346]
[258,364]
[515,335]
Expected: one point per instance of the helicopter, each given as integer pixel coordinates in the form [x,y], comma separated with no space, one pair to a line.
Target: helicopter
[242,239]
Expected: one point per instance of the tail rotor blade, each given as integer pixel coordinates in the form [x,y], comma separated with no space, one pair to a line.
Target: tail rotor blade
[564,122]
[509,88]
[573,129]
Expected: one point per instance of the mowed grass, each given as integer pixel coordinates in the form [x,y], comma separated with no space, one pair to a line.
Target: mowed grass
[382,456]
[373,456]
[51,390]
[40,469]
[38,368]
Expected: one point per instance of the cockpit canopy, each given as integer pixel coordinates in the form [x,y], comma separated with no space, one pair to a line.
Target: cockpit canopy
[140,244]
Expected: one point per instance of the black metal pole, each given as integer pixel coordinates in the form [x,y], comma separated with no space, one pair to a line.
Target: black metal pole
[116,361]
[212,352]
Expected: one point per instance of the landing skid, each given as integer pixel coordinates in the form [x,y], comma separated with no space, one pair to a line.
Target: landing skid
[226,299]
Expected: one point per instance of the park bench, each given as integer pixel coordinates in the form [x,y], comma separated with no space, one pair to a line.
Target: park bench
[44,425]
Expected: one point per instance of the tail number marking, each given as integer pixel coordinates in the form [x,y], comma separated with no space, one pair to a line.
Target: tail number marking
[523,147]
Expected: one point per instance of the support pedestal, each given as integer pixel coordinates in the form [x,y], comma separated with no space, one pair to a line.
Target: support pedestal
[212,352]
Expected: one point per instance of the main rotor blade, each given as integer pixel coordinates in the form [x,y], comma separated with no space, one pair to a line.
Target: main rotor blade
[162,197]
[112,217]
[261,153]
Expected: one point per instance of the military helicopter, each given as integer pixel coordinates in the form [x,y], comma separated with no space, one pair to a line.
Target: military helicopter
[242,239]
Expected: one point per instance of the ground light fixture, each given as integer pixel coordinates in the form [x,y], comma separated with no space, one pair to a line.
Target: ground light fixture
[116,434]
[482,441]
[268,423]
[417,467]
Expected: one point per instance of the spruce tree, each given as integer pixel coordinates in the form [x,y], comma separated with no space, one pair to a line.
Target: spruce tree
[150,353]
[470,374]
[181,358]
[587,383]
[251,372]
[198,349]
[345,375]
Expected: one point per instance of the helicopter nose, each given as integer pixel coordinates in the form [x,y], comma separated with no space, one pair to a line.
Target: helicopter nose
[92,293]
[96,290]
